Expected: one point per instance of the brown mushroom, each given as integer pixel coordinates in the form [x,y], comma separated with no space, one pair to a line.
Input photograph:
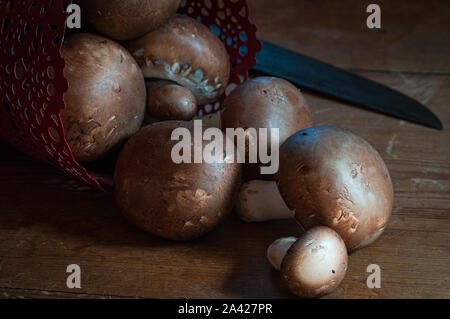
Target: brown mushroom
[186,52]
[168,101]
[312,266]
[174,201]
[105,102]
[266,102]
[332,177]
[126,20]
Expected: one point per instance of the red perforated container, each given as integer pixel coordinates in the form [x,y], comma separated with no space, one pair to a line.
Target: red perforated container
[32,82]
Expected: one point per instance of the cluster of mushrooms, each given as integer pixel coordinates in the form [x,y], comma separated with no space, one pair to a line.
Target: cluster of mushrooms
[143,71]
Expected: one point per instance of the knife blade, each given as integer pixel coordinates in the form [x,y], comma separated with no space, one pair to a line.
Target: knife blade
[313,74]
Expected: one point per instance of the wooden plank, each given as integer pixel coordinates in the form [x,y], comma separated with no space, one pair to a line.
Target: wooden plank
[48,220]
[20,293]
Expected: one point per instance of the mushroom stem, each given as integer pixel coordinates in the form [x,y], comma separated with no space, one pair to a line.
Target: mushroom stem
[211,120]
[278,249]
[261,201]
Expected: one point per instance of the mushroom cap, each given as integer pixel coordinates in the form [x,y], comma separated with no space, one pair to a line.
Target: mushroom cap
[126,20]
[105,102]
[174,201]
[332,177]
[186,52]
[172,102]
[315,264]
[266,102]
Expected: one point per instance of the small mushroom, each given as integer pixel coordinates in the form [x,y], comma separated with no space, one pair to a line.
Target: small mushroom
[266,102]
[186,52]
[312,266]
[176,201]
[332,177]
[125,20]
[105,102]
[167,101]
[260,201]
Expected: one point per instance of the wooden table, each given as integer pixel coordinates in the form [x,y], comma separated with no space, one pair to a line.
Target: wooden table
[48,220]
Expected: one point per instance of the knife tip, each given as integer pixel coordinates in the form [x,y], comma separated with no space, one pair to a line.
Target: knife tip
[436,123]
[431,122]
[439,126]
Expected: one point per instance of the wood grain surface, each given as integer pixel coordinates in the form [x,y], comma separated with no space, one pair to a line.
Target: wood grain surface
[48,220]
